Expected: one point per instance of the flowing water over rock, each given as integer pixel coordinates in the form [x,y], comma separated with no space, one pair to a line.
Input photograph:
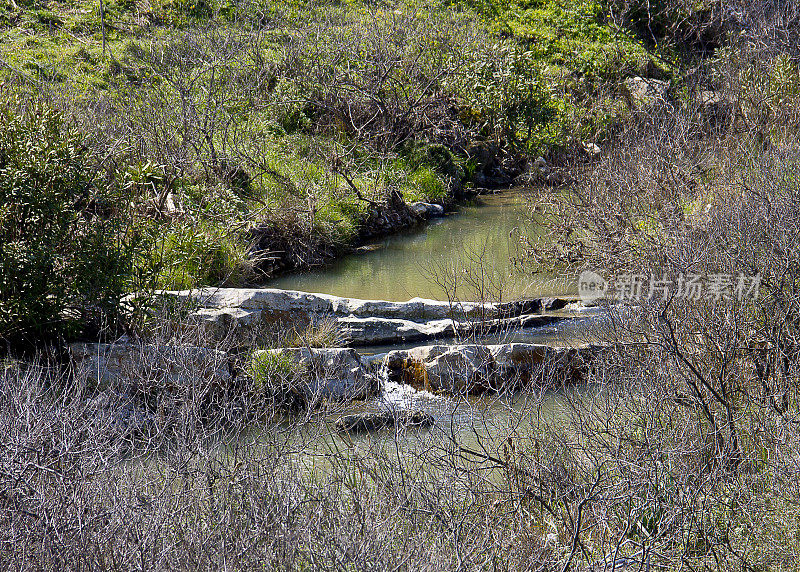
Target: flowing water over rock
[472,255]
[476,332]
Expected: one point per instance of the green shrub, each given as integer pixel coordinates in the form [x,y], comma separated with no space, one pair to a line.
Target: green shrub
[63,261]
[275,378]
[426,185]
[188,255]
[295,119]
[265,366]
[438,157]
[120,6]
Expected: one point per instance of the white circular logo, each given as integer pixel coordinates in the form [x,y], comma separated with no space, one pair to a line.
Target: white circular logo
[591,286]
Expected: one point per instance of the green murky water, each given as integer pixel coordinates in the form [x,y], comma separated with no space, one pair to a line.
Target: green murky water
[479,425]
[471,255]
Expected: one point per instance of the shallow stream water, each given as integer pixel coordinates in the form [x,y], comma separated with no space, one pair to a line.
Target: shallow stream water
[470,255]
[467,430]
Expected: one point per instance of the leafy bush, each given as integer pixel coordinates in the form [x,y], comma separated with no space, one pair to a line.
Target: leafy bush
[275,378]
[425,184]
[63,263]
[436,156]
[186,256]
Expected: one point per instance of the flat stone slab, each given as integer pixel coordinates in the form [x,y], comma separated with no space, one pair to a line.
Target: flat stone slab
[277,304]
[362,322]
[336,374]
[129,363]
[375,331]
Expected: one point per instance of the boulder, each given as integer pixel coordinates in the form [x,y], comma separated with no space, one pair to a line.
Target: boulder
[374,362]
[218,322]
[426,210]
[337,374]
[443,368]
[520,364]
[460,369]
[645,93]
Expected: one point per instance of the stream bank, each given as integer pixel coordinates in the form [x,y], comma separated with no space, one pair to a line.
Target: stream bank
[472,254]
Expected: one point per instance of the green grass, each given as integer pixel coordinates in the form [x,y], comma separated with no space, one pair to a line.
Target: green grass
[535,77]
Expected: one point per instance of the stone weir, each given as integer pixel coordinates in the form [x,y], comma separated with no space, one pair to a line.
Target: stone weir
[305,376]
[220,311]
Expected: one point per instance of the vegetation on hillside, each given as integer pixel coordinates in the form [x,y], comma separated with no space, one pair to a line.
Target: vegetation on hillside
[252,137]
[66,247]
[702,449]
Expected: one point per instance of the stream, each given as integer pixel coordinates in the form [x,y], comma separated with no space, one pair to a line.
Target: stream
[470,255]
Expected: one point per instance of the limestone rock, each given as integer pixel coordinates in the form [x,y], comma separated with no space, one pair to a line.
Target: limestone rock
[132,363]
[450,369]
[374,362]
[375,331]
[337,374]
[520,364]
[426,210]
[714,107]
[279,304]
[218,311]
[460,369]
[646,92]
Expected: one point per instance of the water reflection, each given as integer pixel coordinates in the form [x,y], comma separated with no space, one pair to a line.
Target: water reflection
[470,253]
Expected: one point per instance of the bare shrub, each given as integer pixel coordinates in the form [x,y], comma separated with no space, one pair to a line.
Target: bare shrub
[699,398]
[382,79]
[80,491]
